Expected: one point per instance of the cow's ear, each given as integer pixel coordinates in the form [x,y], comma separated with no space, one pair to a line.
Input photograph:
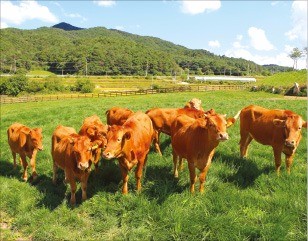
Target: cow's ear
[38,130]
[304,125]
[230,121]
[127,135]
[279,123]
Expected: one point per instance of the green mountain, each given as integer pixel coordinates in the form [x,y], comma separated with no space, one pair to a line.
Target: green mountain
[97,51]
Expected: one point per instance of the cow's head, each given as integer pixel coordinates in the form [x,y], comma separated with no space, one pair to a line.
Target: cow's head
[34,138]
[195,104]
[98,134]
[217,127]
[292,127]
[82,151]
[117,137]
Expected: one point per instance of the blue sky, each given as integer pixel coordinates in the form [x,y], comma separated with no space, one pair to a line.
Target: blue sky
[262,31]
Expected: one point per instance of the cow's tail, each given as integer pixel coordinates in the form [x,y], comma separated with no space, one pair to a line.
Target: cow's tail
[237,115]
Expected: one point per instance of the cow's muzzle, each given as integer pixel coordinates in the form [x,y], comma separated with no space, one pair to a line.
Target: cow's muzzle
[107,155]
[290,143]
[83,166]
[223,137]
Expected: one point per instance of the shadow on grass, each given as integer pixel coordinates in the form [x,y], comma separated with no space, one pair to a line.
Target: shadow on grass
[160,183]
[247,170]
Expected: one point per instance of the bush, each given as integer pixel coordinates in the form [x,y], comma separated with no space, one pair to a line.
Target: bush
[13,85]
[53,84]
[35,86]
[83,85]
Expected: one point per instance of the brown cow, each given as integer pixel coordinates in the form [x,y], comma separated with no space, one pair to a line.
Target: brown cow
[25,142]
[162,119]
[72,153]
[94,128]
[118,115]
[130,144]
[280,129]
[196,140]
[194,103]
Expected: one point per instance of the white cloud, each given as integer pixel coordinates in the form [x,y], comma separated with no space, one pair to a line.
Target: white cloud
[299,22]
[3,25]
[196,7]
[258,39]
[239,37]
[274,3]
[25,10]
[105,3]
[214,44]
[281,59]
[119,27]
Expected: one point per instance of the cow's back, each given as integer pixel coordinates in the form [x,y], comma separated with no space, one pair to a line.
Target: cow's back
[258,121]
[14,136]
[118,115]
[60,133]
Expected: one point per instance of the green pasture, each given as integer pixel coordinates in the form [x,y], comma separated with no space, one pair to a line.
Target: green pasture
[244,199]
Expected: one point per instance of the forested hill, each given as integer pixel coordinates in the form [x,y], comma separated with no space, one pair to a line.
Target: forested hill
[100,51]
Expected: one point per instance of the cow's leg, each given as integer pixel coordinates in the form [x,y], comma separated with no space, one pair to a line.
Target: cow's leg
[277,156]
[202,176]
[156,141]
[192,174]
[244,142]
[138,173]
[84,184]
[14,159]
[32,163]
[96,159]
[124,173]
[175,164]
[73,191]
[181,165]
[25,165]
[289,161]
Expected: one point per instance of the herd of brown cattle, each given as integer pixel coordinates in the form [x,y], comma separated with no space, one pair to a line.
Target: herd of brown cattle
[127,136]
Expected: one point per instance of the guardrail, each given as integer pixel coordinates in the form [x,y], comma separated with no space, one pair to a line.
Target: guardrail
[24,99]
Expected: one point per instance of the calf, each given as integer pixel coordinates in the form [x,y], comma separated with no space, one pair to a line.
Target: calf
[163,117]
[196,140]
[25,142]
[194,103]
[130,144]
[118,115]
[72,153]
[94,128]
[280,129]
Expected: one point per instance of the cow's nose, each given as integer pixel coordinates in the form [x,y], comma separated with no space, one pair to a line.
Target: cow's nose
[106,154]
[223,136]
[83,166]
[290,143]
[40,148]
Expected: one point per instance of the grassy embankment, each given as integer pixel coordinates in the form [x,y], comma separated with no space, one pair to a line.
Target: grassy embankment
[244,199]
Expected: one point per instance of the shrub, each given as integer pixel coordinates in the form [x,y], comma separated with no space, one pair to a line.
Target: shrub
[14,85]
[53,84]
[84,85]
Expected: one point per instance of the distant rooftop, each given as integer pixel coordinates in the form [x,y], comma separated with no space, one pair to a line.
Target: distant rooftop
[224,78]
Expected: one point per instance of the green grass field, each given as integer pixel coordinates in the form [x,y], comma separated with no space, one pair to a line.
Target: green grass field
[244,199]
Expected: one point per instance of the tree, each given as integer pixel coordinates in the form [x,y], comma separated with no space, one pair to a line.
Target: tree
[295,55]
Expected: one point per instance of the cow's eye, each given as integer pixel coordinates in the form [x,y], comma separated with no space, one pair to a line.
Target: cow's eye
[119,139]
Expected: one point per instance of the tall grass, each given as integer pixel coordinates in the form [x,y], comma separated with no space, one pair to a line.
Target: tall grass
[243,199]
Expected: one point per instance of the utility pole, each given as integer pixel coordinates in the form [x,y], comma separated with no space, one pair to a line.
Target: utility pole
[86,67]
[146,70]
[14,64]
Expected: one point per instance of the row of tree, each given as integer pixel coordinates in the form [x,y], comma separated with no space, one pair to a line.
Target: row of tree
[99,51]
